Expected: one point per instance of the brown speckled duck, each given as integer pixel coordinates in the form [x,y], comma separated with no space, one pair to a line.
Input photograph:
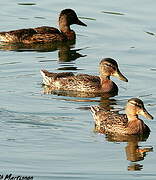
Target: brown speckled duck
[83,82]
[122,124]
[45,34]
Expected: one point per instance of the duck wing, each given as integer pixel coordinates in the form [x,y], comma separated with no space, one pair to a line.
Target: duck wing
[46,34]
[55,76]
[108,121]
[47,29]
[17,35]
[87,83]
[69,81]
[50,78]
[32,35]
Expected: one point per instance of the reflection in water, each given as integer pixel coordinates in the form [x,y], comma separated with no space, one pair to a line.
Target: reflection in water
[39,47]
[49,90]
[108,104]
[134,152]
[135,167]
[71,68]
[65,54]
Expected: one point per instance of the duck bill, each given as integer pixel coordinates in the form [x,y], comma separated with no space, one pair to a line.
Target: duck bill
[120,76]
[80,23]
[145,113]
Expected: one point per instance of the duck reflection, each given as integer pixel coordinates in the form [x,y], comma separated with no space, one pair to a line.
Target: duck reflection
[134,152]
[104,96]
[108,103]
[66,53]
[39,47]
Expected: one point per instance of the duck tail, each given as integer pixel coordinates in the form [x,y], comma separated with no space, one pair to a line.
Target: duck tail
[94,110]
[46,78]
[3,37]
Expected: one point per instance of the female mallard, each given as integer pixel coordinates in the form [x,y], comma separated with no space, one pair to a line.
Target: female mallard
[83,82]
[122,124]
[45,34]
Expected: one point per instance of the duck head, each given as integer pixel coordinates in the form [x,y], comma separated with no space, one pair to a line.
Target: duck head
[68,17]
[109,67]
[136,107]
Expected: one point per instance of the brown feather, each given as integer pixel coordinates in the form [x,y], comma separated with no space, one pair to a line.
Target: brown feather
[113,122]
[45,34]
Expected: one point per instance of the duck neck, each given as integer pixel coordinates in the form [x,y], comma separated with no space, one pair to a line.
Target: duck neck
[106,83]
[64,25]
[105,78]
[132,117]
[65,29]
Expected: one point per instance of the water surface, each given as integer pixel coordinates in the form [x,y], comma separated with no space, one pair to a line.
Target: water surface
[52,137]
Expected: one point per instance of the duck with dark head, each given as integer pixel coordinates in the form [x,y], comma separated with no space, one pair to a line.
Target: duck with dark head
[45,34]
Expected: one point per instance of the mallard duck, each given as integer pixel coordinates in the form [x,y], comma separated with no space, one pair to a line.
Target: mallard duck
[45,34]
[122,124]
[83,82]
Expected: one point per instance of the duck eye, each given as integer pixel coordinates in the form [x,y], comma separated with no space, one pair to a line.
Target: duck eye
[139,105]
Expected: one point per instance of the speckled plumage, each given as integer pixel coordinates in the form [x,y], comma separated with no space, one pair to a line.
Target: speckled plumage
[71,82]
[123,124]
[83,82]
[45,34]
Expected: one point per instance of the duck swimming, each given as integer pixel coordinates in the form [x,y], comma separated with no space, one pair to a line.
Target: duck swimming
[122,124]
[45,34]
[83,82]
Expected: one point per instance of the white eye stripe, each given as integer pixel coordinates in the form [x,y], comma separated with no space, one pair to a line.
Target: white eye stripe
[135,104]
